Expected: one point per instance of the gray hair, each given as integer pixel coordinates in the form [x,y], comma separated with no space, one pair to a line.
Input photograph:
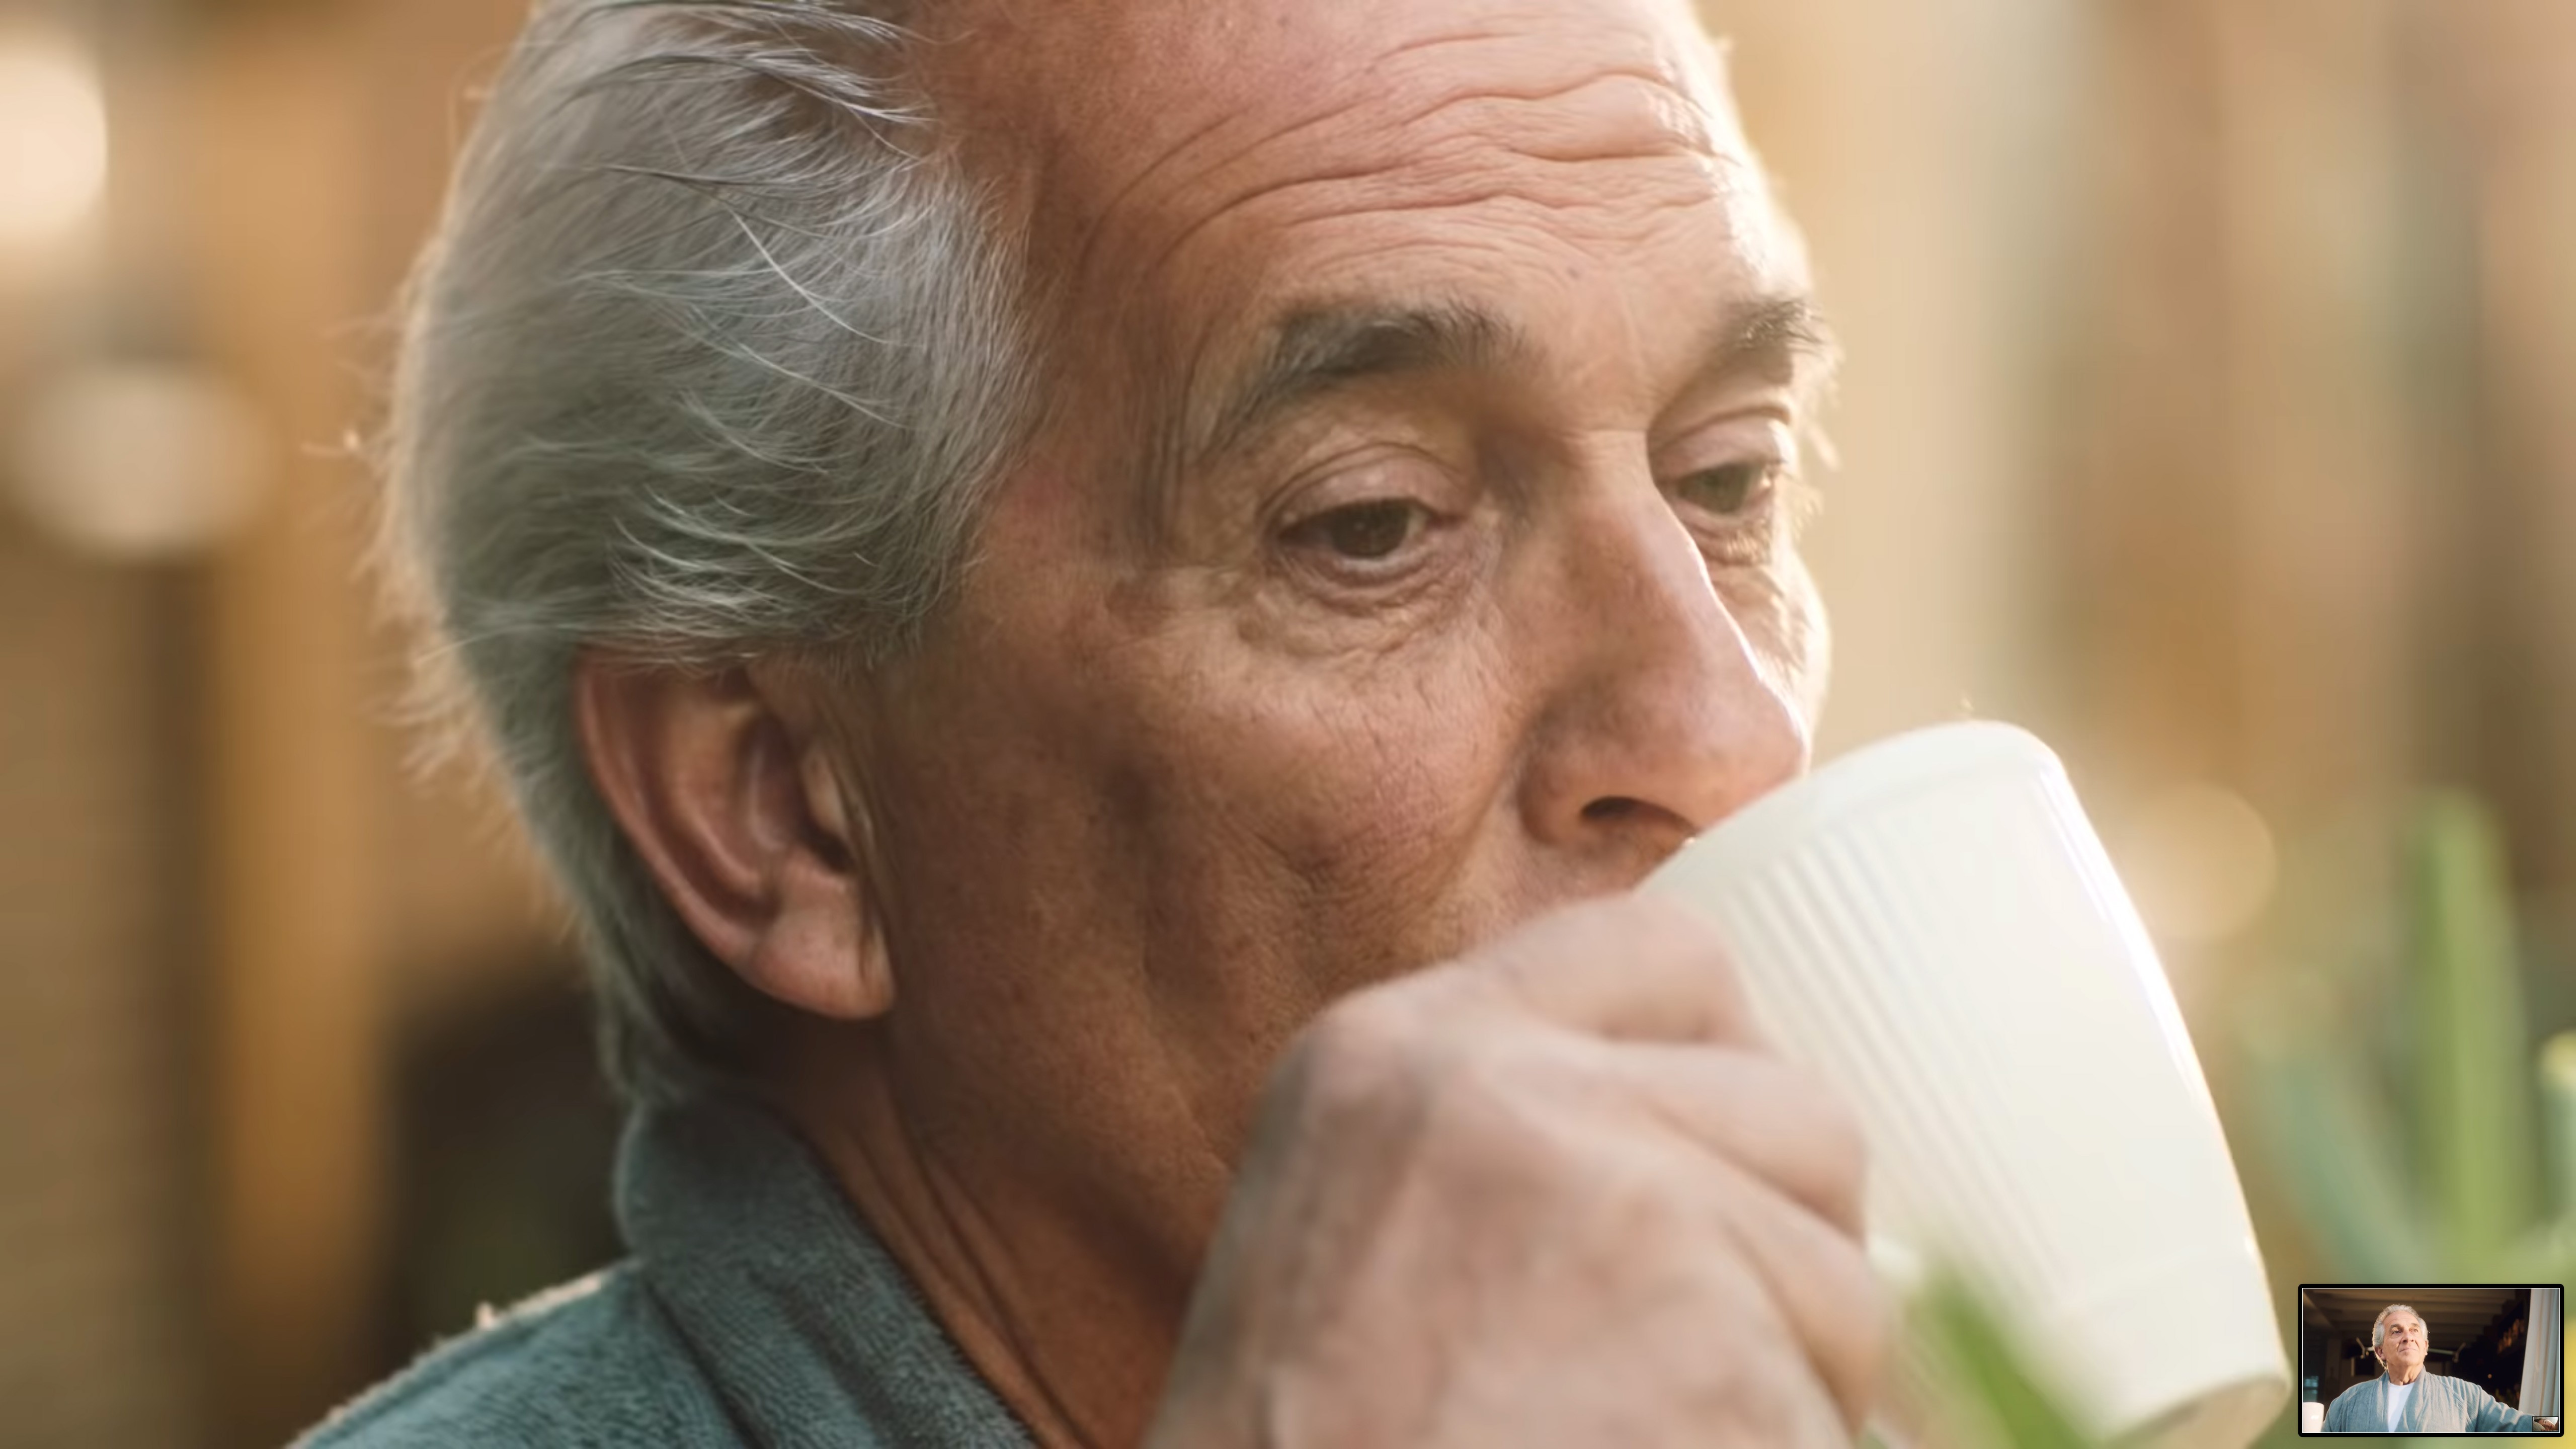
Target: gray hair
[716,353]
[2379,1325]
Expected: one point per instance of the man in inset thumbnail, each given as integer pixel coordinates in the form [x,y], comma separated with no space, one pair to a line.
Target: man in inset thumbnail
[2407,1400]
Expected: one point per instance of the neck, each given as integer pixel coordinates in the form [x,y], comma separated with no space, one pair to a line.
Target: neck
[2405,1375]
[1071,1335]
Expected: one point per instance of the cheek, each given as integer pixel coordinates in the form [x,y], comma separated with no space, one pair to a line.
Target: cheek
[1360,780]
[1203,774]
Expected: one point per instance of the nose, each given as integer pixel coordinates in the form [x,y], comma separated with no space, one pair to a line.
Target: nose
[1662,718]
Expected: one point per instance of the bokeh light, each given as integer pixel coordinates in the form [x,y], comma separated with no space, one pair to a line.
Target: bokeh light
[53,136]
[2201,863]
[139,460]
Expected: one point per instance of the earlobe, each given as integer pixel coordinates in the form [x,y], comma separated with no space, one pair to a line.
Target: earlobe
[735,808]
[827,953]
[824,954]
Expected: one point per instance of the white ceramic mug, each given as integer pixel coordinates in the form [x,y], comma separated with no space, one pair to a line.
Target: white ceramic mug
[1932,925]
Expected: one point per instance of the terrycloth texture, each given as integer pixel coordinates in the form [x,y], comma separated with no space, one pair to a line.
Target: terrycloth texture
[756,1310]
[2439,1405]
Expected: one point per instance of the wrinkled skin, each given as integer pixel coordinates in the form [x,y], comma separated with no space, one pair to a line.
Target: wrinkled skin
[1231,724]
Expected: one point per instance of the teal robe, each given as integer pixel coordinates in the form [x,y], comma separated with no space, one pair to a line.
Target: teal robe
[756,1310]
[2439,1405]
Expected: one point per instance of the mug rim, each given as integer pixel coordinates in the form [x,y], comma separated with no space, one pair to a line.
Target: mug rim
[1878,774]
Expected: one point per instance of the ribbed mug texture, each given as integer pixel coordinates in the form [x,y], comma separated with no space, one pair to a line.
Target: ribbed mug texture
[1933,925]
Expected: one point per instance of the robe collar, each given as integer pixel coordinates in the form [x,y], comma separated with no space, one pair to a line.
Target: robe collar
[809,1330]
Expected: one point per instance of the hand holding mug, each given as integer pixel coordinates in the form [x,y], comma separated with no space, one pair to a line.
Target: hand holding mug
[1555,1192]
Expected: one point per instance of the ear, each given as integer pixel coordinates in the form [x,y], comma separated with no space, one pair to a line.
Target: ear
[742,815]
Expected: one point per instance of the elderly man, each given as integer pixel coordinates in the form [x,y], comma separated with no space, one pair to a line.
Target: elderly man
[1098,604]
[2406,1400]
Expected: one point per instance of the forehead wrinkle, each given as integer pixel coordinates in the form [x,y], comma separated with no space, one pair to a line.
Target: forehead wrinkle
[1387,74]
[1683,117]
[1173,157]
[1127,190]
[1160,419]
[1384,107]
[1069,77]
[1474,169]
[1301,82]
[1211,104]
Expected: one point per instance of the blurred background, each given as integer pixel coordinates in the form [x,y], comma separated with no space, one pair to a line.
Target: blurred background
[2210,408]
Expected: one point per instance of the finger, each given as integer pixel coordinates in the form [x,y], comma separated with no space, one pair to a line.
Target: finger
[1820,1283]
[1633,968]
[1768,1116]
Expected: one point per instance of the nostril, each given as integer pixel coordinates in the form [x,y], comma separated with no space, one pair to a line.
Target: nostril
[1614,808]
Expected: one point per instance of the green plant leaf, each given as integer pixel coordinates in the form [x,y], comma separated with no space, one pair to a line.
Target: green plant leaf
[2473,1130]
[2330,1144]
[2558,1116]
[1990,1390]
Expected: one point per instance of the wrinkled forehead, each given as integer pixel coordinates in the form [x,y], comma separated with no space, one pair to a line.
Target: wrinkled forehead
[2401,1316]
[1110,112]
[1189,171]
[1158,71]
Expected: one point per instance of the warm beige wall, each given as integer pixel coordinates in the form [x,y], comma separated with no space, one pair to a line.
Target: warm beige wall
[2206,405]
[222,900]
[97,1163]
[348,897]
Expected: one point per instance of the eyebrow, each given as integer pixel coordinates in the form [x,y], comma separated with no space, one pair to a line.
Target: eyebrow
[1320,349]
[1770,336]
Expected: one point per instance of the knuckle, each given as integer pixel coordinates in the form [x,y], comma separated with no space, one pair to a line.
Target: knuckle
[1670,919]
[1651,925]
[1677,930]
[1355,1046]
[1631,924]
[1356,1029]
[1472,1090]
[1381,1054]
[1835,1145]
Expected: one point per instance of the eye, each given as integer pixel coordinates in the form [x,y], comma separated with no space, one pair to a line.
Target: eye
[1731,489]
[1363,531]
